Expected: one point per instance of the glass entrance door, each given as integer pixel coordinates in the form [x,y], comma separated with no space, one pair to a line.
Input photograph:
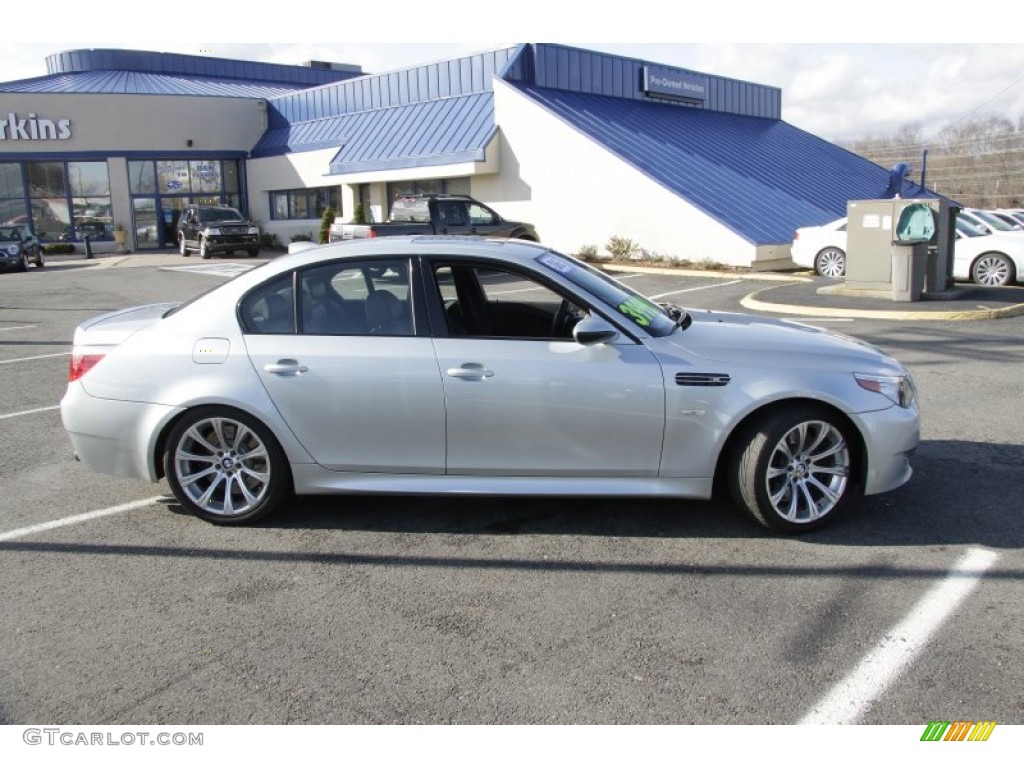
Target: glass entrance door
[147,232]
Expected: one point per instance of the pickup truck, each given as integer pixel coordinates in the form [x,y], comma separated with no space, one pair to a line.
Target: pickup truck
[437,215]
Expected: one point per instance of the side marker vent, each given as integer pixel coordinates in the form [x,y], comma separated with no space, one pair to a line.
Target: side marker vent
[702,379]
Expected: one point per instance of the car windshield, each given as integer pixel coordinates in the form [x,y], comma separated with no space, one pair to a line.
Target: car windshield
[9,233]
[635,307]
[993,221]
[220,214]
[967,229]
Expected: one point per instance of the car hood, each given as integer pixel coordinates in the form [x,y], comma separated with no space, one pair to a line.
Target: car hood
[113,328]
[758,341]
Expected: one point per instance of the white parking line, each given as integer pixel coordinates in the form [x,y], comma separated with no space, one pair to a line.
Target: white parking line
[28,413]
[34,357]
[848,700]
[698,288]
[19,533]
[16,328]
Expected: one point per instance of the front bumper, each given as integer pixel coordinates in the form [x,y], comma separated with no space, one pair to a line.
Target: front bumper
[890,438]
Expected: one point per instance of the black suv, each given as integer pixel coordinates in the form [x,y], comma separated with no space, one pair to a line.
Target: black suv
[214,229]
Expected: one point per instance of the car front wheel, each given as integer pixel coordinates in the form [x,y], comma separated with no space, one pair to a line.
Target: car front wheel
[204,249]
[225,467]
[182,246]
[992,269]
[792,470]
[830,262]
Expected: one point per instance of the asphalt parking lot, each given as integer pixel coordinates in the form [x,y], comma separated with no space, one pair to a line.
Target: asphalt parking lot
[399,610]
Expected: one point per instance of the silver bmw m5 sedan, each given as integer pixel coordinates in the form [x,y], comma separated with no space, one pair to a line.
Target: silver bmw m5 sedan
[460,365]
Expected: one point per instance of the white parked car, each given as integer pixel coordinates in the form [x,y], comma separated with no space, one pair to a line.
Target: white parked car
[822,249]
[986,259]
[457,366]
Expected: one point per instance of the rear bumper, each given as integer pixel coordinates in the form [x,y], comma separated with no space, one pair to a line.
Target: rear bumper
[115,437]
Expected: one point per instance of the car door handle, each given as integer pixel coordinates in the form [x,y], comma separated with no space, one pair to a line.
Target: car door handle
[470,372]
[285,368]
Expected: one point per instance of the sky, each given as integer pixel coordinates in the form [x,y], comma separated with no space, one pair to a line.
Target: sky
[883,76]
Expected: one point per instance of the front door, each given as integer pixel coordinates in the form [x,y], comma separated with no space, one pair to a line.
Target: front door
[524,399]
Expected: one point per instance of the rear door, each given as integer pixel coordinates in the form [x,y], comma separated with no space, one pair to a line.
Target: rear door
[340,351]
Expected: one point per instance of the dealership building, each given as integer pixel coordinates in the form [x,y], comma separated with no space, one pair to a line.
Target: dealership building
[584,145]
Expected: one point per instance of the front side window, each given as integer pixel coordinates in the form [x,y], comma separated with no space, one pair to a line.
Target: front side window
[496,303]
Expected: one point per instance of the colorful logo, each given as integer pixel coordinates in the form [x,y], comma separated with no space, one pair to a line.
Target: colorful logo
[958,730]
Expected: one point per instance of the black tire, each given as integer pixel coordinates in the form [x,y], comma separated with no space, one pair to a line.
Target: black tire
[225,466]
[253,253]
[831,262]
[993,269]
[792,471]
[39,261]
[182,246]
[23,262]
[204,249]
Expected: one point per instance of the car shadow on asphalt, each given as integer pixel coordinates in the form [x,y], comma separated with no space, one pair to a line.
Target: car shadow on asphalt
[958,496]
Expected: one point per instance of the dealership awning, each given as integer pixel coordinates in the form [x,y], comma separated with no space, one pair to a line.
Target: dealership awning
[430,133]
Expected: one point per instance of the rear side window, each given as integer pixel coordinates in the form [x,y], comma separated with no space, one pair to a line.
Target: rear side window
[357,298]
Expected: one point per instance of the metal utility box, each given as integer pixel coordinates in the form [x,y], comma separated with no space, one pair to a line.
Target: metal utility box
[900,247]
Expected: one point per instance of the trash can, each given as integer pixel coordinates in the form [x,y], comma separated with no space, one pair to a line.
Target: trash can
[909,262]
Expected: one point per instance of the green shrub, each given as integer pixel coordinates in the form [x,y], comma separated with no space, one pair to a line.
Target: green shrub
[269,240]
[359,215]
[57,249]
[325,225]
[587,253]
[300,238]
[621,247]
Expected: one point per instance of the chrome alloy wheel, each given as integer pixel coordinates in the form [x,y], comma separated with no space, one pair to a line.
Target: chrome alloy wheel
[831,262]
[222,466]
[807,472]
[993,269]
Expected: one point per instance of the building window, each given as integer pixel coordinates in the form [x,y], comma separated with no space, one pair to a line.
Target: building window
[69,200]
[13,206]
[397,189]
[304,203]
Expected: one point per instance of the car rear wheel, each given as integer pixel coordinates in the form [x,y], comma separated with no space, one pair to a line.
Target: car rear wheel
[182,246]
[830,262]
[792,470]
[992,269]
[225,467]
[39,262]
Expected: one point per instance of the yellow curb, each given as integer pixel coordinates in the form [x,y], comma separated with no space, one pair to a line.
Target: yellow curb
[768,276]
[750,302]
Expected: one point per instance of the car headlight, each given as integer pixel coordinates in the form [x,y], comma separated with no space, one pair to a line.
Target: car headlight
[254,230]
[13,249]
[899,389]
[215,231]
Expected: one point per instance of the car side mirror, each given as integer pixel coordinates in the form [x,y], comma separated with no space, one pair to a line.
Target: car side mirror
[594,330]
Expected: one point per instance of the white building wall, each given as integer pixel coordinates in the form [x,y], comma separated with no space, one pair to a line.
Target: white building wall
[577,193]
[301,170]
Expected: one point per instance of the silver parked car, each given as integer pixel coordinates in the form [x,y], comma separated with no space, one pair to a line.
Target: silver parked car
[462,365]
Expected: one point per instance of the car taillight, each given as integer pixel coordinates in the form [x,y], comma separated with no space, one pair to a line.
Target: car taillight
[81,365]
[371,233]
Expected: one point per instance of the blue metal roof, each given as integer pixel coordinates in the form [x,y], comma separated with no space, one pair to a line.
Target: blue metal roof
[761,178]
[115,59]
[549,65]
[428,133]
[147,83]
